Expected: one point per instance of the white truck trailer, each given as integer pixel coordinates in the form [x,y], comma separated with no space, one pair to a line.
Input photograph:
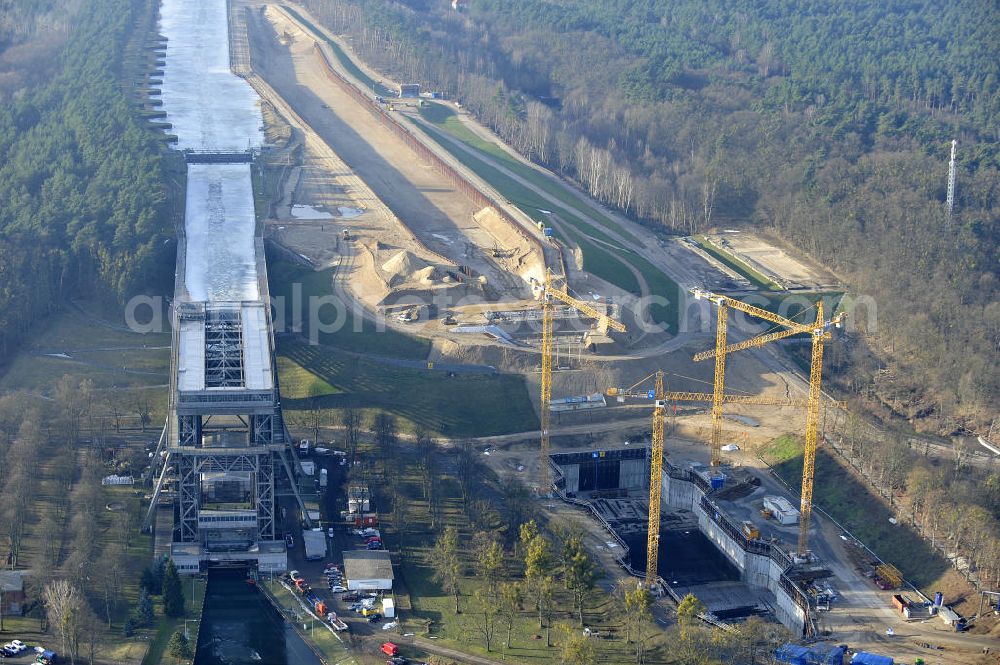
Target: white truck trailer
[315,544]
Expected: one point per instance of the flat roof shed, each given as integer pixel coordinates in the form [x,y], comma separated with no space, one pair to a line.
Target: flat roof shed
[368,570]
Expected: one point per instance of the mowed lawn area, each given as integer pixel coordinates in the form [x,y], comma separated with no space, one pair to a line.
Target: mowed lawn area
[293,288]
[86,346]
[352,367]
[429,612]
[437,402]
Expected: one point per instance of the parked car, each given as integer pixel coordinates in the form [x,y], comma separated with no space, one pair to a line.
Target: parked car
[374,546]
[338,588]
[47,657]
[330,532]
[373,618]
[289,541]
[21,646]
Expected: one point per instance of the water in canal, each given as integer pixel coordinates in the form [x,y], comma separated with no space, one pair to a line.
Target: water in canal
[240,627]
[685,558]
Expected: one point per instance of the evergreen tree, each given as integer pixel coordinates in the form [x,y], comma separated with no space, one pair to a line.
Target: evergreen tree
[179,647]
[173,593]
[144,609]
[148,581]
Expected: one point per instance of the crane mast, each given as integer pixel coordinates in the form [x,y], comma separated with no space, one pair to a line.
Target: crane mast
[604,322]
[812,427]
[655,483]
[661,397]
[545,416]
[819,331]
[722,323]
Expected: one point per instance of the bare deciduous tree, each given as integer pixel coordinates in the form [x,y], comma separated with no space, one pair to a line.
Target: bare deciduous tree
[65,607]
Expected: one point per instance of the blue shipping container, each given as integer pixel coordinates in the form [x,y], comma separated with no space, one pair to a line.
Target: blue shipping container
[865,658]
[816,654]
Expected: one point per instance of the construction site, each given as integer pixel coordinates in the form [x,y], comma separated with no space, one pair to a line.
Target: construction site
[652,434]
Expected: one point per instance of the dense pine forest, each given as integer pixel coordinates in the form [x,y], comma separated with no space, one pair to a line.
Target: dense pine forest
[825,124]
[82,184]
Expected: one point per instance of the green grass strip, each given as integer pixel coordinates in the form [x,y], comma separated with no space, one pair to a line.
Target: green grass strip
[840,493]
[447,120]
[459,405]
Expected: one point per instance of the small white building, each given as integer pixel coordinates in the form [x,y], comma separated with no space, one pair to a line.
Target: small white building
[782,510]
[388,608]
[368,570]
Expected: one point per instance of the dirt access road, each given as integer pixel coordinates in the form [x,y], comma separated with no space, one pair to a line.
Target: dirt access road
[438,214]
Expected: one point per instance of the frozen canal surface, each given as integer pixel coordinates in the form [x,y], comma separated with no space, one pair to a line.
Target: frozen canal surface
[209,107]
[212,109]
[220,263]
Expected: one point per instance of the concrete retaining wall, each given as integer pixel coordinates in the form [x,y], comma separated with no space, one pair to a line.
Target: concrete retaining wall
[758,570]
[633,473]
[680,495]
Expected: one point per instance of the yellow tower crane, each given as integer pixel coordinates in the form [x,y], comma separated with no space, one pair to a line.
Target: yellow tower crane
[661,398]
[549,294]
[819,331]
[655,488]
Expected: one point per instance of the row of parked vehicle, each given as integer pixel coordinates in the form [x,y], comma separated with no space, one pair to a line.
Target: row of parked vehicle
[335,578]
[372,538]
[15,648]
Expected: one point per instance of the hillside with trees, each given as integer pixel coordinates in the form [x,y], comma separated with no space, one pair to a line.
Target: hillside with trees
[31,32]
[81,179]
[826,125]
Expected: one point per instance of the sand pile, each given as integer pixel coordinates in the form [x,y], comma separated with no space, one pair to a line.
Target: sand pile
[426,275]
[403,265]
